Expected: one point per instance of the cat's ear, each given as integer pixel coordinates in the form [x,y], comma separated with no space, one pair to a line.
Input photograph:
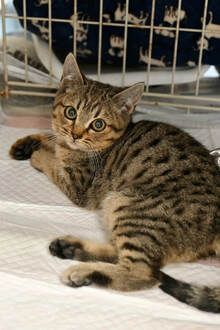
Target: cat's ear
[129,97]
[71,70]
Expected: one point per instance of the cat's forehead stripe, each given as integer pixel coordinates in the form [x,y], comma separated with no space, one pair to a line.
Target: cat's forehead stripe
[98,111]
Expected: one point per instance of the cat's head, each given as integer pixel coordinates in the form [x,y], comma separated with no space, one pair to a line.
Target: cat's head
[90,115]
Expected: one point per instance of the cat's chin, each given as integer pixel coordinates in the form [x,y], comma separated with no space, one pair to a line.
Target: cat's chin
[77,146]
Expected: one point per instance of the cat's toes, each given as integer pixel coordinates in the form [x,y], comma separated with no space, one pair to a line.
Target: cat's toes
[23,148]
[76,276]
[85,274]
[63,249]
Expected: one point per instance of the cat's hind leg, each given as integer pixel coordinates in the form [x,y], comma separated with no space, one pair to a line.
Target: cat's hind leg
[134,268]
[123,276]
[70,247]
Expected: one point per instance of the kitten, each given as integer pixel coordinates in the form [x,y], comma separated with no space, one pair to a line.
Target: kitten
[158,189]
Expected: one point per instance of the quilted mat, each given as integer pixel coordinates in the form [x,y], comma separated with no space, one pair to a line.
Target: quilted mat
[32,212]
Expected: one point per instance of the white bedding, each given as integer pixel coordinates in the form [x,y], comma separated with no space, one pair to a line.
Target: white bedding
[32,212]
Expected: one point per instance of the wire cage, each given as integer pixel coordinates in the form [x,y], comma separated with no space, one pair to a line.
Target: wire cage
[201,93]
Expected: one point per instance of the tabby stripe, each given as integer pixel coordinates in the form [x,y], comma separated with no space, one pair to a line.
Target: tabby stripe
[121,156]
[165,172]
[172,133]
[133,234]
[147,207]
[156,226]
[141,208]
[123,169]
[170,196]
[179,146]
[136,200]
[182,157]
[161,160]
[178,188]
[97,112]
[146,160]
[139,174]
[137,139]
[78,105]
[131,247]
[136,260]
[95,105]
[116,129]
[196,183]
[132,203]
[121,184]
[114,159]
[121,208]
[182,225]
[140,216]
[133,217]
[148,181]
[110,140]
[127,224]
[129,158]
[82,180]
[149,127]
[154,142]
[135,153]
[176,202]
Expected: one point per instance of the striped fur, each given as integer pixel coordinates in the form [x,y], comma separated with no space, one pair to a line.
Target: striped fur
[157,189]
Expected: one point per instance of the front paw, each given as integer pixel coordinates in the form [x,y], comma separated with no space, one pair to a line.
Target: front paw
[66,248]
[23,148]
[85,274]
[76,276]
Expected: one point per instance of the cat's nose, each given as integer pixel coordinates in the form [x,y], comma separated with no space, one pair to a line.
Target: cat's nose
[75,136]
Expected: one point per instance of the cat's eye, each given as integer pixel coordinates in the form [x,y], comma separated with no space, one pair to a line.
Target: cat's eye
[70,113]
[98,125]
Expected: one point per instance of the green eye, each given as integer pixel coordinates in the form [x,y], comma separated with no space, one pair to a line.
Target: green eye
[70,113]
[98,125]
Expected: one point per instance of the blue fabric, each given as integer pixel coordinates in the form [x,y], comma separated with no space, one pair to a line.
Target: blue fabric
[138,39]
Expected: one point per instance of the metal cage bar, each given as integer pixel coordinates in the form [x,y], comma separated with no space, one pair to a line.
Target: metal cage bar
[25,35]
[100,40]
[201,47]
[175,47]
[125,43]
[169,97]
[50,39]
[4,51]
[59,20]
[150,45]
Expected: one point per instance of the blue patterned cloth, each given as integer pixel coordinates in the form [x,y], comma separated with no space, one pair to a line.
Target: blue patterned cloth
[191,16]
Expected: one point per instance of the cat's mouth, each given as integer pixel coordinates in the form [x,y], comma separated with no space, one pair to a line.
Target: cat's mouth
[78,145]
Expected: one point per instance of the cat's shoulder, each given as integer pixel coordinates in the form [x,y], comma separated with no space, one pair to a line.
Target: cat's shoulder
[149,125]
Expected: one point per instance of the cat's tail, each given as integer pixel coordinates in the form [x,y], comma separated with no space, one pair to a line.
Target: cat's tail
[202,297]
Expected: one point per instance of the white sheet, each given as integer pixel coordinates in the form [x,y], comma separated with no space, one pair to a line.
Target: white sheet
[32,212]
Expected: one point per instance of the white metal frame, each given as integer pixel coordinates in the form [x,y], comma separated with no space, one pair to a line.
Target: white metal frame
[162,99]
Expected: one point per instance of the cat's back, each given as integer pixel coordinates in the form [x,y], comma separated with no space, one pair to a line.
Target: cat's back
[151,153]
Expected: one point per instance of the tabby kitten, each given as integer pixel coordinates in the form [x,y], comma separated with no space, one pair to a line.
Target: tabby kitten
[157,188]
